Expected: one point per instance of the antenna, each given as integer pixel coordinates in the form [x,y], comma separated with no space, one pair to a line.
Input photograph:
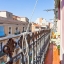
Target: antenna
[49,10]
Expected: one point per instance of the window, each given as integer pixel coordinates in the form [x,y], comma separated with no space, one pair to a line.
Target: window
[2,31]
[10,30]
[16,29]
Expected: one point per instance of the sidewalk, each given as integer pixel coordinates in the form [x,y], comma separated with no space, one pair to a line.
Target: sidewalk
[52,56]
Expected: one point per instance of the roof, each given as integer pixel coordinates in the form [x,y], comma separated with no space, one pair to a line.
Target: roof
[13,14]
[10,21]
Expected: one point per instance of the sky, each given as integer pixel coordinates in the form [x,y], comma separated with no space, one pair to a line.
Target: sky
[24,8]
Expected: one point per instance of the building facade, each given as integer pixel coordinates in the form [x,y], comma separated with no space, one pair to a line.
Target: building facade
[14,27]
[62,30]
[57,15]
[43,23]
[11,25]
[40,24]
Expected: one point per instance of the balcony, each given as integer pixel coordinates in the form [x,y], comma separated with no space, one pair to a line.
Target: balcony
[16,33]
[32,46]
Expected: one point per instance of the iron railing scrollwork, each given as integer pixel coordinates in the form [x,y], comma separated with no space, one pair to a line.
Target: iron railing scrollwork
[33,47]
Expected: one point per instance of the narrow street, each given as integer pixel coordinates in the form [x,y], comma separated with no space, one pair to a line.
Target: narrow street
[52,57]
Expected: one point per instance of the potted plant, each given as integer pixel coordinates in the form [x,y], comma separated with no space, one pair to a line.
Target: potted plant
[58,49]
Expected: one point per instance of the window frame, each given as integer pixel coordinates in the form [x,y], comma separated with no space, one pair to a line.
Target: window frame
[17,30]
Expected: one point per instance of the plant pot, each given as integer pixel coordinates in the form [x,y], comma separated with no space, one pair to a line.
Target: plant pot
[58,49]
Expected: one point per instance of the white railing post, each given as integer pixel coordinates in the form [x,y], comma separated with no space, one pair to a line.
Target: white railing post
[33,53]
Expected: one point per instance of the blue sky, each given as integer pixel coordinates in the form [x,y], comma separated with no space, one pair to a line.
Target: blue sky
[24,8]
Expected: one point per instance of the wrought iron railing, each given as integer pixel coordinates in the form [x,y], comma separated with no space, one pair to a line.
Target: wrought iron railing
[33,47]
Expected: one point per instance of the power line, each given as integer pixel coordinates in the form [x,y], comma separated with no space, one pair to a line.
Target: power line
[34,9]
[32,15]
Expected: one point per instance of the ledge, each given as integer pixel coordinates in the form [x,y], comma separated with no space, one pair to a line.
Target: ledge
[12,36]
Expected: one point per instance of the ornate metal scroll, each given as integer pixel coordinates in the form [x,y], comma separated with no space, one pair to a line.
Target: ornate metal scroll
[20,41]
[28,41]
[9,49]
[36,45]
[33,48]
[25,43]
[28,38]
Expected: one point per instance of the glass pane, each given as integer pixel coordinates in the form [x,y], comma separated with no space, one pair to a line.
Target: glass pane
[2,31]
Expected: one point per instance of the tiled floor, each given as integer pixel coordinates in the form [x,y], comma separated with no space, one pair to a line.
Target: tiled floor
[52,57]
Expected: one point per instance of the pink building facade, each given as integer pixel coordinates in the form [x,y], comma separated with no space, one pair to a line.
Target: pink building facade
[58,20]
[59,11]
[62,31]
[60,25]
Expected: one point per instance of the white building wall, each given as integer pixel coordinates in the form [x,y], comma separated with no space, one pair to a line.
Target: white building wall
[37,20]
[24,19]
[3,14]
[6,14]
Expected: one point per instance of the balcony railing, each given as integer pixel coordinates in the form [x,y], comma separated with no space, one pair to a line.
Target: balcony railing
[32,47]
[16,33]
